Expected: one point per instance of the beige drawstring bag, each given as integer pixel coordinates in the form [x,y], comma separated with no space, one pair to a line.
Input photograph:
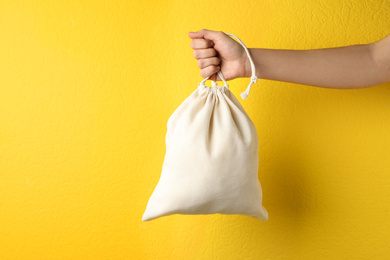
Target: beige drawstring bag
[211,161]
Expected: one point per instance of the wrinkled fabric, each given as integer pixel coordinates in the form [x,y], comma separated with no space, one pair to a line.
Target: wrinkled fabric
[211,161]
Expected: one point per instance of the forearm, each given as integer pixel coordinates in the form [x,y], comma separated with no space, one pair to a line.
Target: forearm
[340,67]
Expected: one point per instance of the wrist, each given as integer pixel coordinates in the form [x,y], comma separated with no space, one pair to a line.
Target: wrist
[259,64]
[247,66]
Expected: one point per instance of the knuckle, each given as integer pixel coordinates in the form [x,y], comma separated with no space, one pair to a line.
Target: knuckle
[206,43]
[200,63]
[200,43]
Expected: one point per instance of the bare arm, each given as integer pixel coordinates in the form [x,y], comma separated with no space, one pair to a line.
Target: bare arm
[355,66]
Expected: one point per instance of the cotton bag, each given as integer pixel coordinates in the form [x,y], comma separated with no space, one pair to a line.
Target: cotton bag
[211,161]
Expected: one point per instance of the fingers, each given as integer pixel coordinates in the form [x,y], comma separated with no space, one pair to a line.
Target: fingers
[201,44]
[205,53]
[203,63]
[210,70]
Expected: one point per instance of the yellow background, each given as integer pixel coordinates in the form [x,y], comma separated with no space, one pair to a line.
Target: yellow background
[87,88]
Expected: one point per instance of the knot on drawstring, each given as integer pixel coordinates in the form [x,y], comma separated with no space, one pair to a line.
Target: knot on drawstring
[214,83]
[254,79]
[245,94]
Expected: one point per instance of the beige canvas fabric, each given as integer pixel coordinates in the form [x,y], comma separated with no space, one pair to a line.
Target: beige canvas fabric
[211,161]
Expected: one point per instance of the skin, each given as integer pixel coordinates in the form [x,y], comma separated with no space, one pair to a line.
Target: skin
[347,67]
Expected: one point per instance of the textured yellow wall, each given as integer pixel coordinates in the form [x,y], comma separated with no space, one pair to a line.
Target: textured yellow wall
[87,88]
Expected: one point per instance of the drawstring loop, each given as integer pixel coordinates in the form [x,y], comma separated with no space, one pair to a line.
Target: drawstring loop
[214,83]
[254,78]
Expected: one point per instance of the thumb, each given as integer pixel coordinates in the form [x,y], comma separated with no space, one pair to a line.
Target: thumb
[205,34]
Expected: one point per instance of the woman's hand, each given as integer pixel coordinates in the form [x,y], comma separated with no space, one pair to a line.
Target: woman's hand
[216,51]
